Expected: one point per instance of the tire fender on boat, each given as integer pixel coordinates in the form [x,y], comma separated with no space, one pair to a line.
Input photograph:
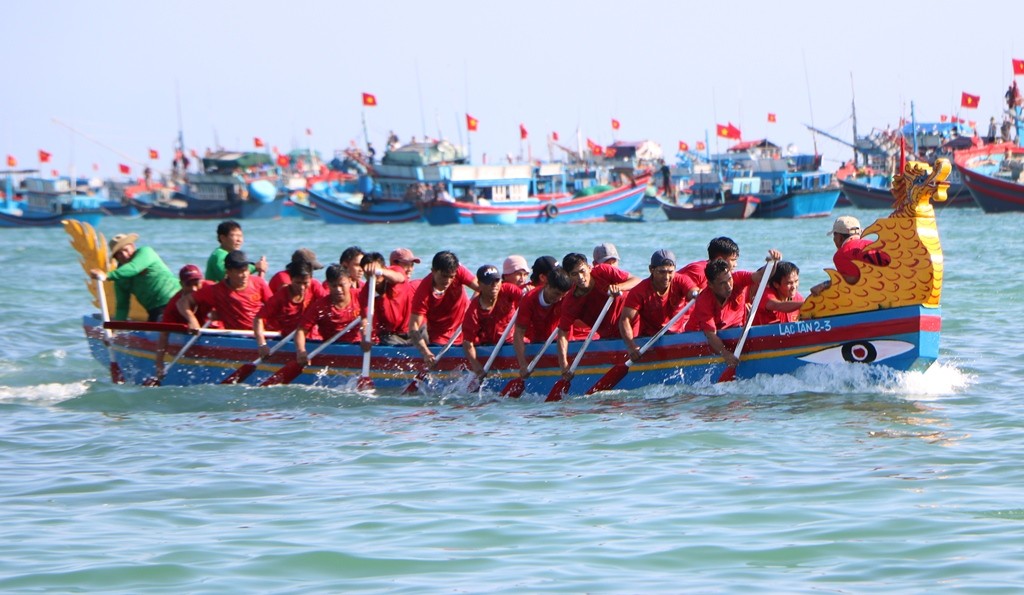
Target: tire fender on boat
[551,210]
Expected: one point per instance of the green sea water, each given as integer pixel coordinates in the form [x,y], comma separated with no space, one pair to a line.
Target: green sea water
[831,481]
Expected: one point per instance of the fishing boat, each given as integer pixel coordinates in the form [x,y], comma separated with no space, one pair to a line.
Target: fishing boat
[707,198]
[891,317]
[233,185]
[44,202]
[993,175]
[354,201]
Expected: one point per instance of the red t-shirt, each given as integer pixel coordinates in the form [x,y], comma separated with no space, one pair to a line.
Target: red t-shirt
[850,251]
[392,306]
[693,273]
[281,313]
[236,309]
[766,316]
[328,319]
[171,313]
[708,315]
[654,310]
[538,321]
[579,312]
[443,312]
[484,327]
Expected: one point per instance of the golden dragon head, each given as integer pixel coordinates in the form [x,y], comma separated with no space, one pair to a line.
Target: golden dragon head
[917,185]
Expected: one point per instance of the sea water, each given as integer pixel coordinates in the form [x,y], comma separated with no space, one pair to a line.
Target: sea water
[831,480]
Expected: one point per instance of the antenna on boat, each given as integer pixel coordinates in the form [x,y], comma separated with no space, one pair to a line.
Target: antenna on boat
[810,106]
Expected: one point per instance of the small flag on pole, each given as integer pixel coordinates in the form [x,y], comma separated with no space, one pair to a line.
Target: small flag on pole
[1018,67]
[124,168]
[257,142]
[616,124]
[153,154]
[771,117]
[11,161]
[472,123]
[522,132]
[969,101]
[683,146]
[369,100]
[44,157]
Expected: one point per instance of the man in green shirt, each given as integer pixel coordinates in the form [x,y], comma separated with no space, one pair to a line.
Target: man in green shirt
[230,237]
[140,272]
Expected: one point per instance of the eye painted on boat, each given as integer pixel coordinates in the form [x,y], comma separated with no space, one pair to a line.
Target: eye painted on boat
[862,352]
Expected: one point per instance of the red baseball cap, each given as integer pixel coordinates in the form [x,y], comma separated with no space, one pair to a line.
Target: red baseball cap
[190,272]
[404,255]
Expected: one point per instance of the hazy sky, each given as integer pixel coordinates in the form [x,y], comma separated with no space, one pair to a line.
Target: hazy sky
[668,71]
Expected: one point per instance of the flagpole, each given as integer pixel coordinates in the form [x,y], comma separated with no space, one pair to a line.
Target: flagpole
[810,107]
[366,134]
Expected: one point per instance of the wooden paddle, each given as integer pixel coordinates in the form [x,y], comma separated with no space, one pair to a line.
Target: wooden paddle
[619,371]
[365,382]
[116,375]
[515,387]
[246,370]
[422,374]
[561,388]
[729,373]
[292,369]
[477,383]
[157,379]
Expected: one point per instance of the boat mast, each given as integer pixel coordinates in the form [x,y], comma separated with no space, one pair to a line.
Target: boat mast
[913,128]
[853,107]
[810,107]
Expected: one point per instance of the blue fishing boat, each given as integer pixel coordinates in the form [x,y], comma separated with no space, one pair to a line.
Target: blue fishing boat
[233,185]
[707,197]
[355,201]
[45,202]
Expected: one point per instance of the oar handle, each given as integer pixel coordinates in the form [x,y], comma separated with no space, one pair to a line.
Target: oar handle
[448,345]
[650,342]
[188,345]
[371,300]
[753,306]
[104,311]
[536,358]
[334,338]
[501,341]
[590,335]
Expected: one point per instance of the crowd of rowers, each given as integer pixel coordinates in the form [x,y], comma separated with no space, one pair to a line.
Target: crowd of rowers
[564,299]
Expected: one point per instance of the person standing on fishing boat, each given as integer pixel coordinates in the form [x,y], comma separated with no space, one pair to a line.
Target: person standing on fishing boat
[330,314]
[237,299]
[140,272]
[393,299]
[440,303]
[723,303]
[489,313]
[850,248]
[781,301]
[653,302]
[582,307]
[539,313]
[230,237]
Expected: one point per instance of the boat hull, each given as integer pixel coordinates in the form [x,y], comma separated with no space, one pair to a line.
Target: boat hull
[335,208]
[186,207]
[797,205]
[616,201]
[903,338]
[740,208]
[27,218]
[876,195]
[992,193]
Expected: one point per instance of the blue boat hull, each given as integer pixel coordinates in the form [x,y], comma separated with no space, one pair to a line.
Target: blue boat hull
[797,205]
[207,209]
[902,338]
[334,207]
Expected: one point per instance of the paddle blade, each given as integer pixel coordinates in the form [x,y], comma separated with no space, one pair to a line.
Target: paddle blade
[514,388]
[151,381]
[116,376]
[285,374]
[728,375]
[415,384]
[239,375]
[559,390]
[610,379]
[365,383]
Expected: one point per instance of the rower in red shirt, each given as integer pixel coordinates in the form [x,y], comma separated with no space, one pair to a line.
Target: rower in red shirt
[692,275]
[516,272]
[282,278]
[236,299]
[582,306]
[331,313]
[723,303]
[440,303]
[489,313]
[393,300]
[539,313]
[191,278]
[653,302]
[781,301]
[850,248]
[284,309]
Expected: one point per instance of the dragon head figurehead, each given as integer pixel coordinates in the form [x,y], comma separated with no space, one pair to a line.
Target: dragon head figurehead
[918,185]
[909,238]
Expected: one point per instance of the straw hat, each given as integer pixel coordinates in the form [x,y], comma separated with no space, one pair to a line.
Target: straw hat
[120,241]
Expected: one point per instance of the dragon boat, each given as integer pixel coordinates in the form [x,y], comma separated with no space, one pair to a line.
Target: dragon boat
[891,317]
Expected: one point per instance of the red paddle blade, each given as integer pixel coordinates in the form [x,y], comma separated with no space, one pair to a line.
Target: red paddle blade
[240,374]
[559,390]
[610,378]
[514,388]
[415,384]
[285,374]
[365,383]
[151,381]
[115,373]
[728,375]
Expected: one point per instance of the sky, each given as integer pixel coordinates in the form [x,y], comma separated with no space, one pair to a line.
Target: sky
[99,83]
